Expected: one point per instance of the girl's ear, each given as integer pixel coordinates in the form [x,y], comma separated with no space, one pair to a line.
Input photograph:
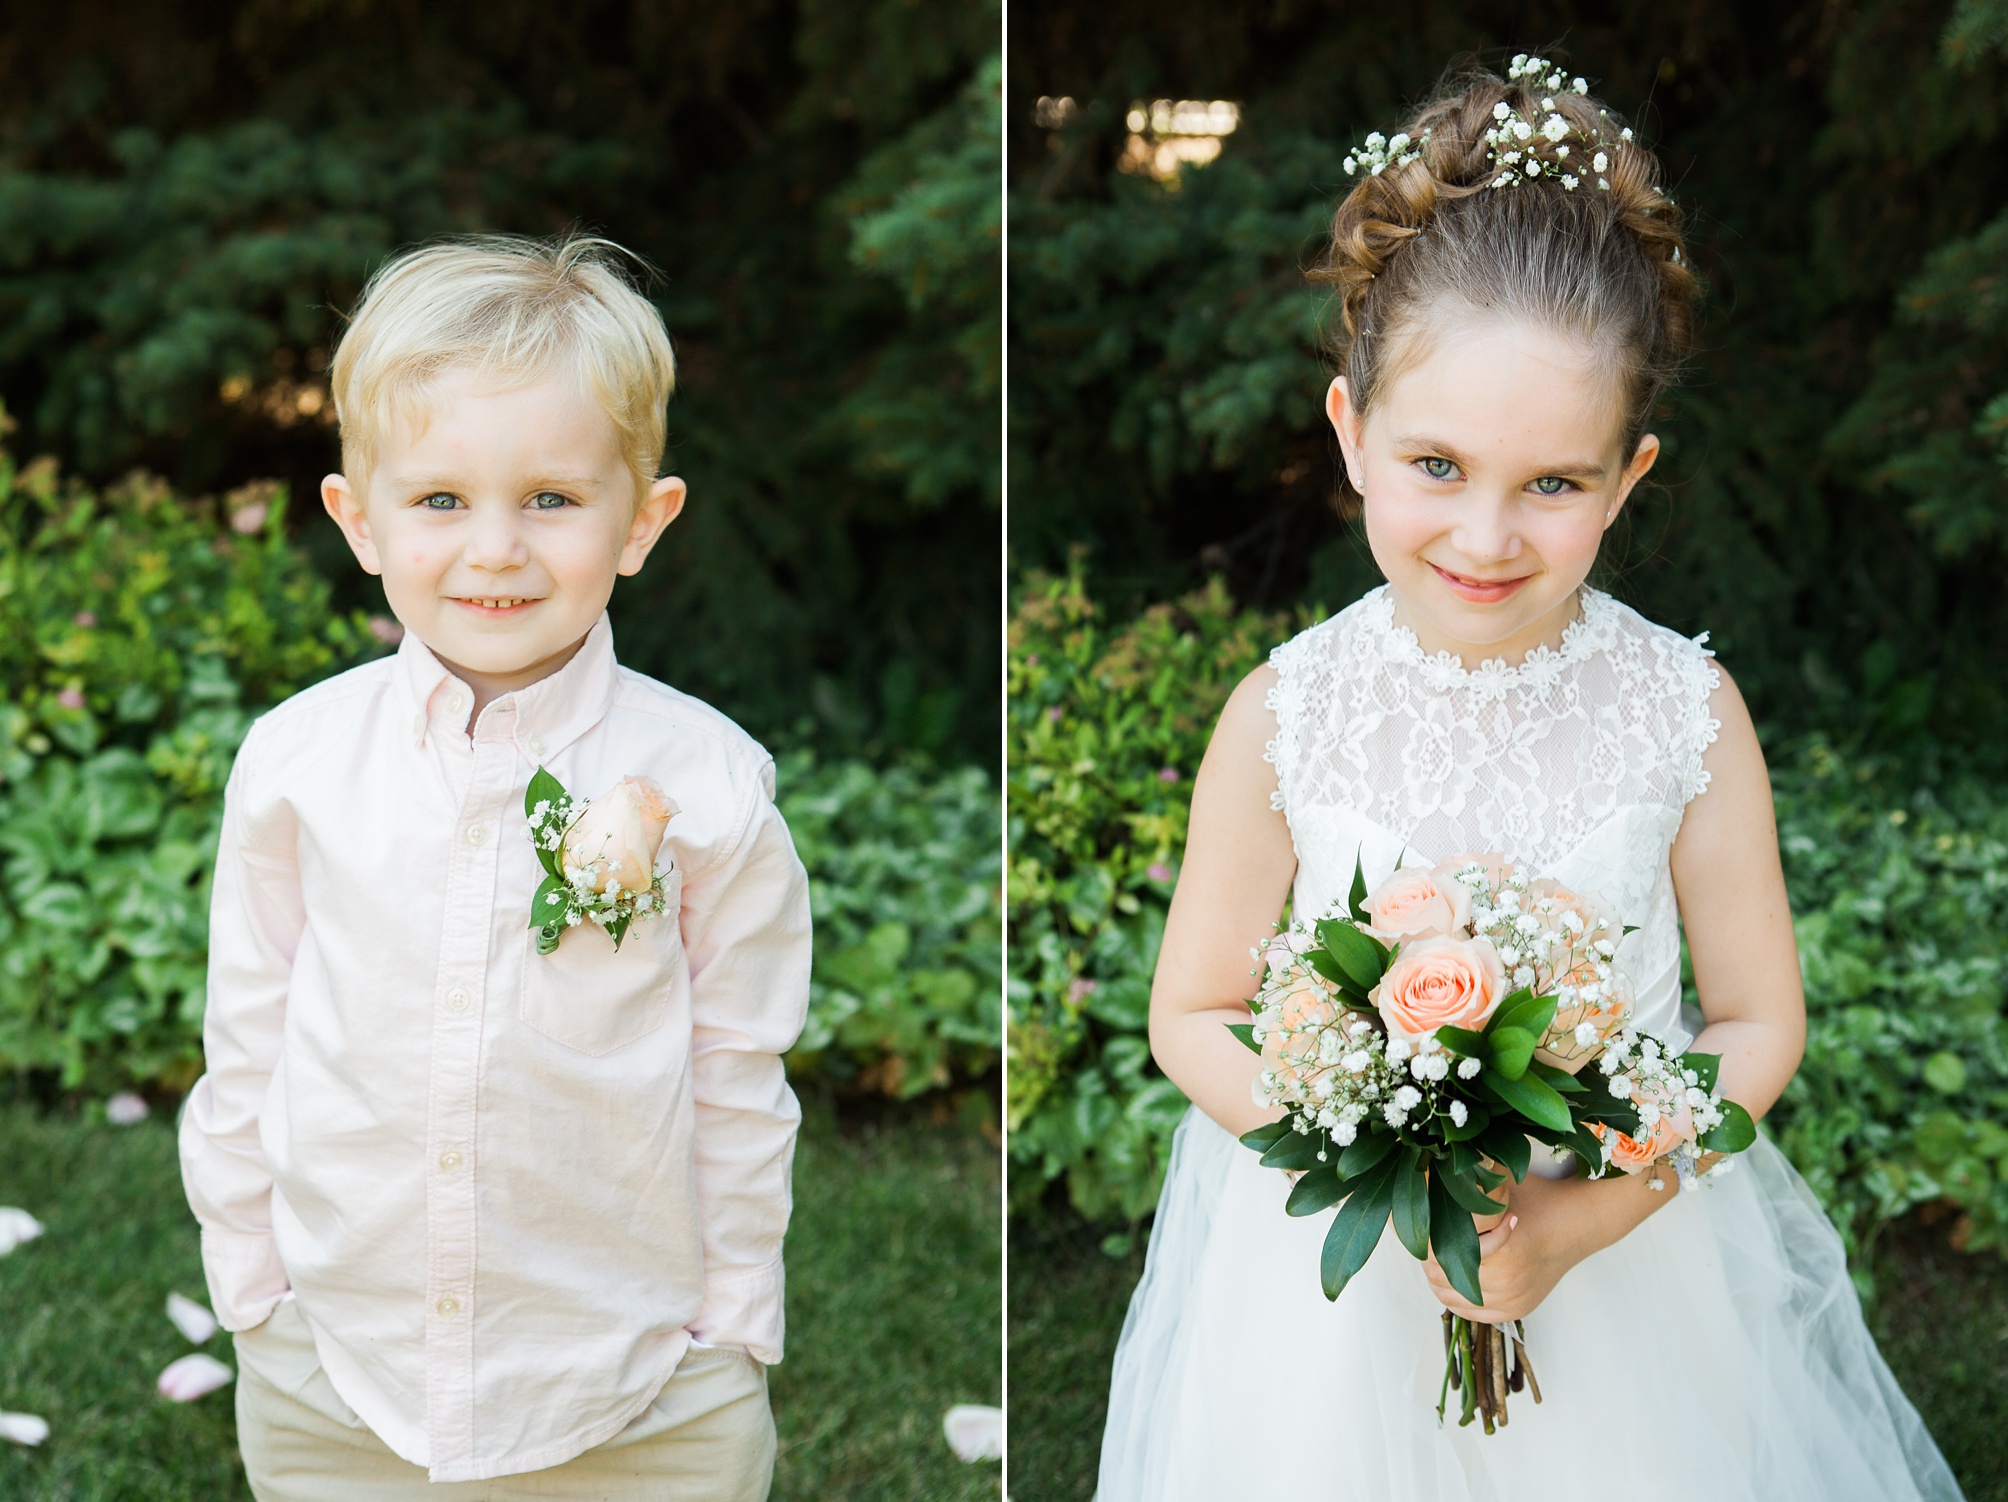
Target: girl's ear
[1642,460]
[1345,420]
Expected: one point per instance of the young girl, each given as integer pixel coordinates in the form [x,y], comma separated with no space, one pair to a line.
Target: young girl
[1514,300]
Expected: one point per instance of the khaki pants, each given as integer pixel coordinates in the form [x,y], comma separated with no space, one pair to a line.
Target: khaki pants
[708,1437]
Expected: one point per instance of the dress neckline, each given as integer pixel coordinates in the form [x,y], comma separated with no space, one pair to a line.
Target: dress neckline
[1541,668]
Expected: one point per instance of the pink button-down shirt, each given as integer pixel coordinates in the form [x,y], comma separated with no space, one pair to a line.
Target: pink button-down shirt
[508,1189]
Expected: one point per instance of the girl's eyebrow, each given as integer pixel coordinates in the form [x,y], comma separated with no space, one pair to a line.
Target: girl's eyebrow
[1575,469]
[429,483]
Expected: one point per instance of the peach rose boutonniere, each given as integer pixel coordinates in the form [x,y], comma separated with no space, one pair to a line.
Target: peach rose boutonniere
[598,857]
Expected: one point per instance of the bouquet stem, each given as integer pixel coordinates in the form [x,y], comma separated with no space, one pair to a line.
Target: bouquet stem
[1484,1364]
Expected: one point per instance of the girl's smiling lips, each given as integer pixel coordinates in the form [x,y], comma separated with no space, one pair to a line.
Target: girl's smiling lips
[1480,591]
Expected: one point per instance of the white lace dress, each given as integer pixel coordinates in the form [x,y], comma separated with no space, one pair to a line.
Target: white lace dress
[1716,1354]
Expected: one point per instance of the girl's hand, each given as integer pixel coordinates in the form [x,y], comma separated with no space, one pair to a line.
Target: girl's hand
[1522,1257]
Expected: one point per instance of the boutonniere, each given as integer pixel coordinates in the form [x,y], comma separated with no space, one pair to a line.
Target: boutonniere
[598,857]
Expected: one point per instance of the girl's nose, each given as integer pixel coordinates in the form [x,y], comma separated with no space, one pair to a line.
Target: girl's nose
[1487,530]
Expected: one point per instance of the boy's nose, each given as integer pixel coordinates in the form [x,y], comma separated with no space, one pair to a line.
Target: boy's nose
[496,542]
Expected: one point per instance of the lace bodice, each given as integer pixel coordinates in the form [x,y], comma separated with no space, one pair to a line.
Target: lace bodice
[1578,763]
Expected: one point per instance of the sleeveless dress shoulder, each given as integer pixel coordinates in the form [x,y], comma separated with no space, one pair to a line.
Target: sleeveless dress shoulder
[1718,1351]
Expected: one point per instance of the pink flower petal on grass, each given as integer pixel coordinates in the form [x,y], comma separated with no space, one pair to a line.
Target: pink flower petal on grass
[975,1432]
[189,1378]
[190,1318]
[16,1226]
[23,1428]
[125,1109]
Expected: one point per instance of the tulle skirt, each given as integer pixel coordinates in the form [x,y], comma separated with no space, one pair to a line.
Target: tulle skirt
[1716,1353]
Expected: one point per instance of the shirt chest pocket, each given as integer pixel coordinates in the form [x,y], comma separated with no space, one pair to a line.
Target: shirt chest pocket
[589,996]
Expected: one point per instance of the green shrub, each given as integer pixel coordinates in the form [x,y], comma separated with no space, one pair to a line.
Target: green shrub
[903,871]
[1901,897]
[140,633]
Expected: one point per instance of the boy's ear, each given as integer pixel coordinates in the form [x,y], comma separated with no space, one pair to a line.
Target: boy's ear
[347,510]
[661,506]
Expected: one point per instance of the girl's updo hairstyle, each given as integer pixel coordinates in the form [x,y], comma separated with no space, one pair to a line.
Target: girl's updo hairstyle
[1521,199]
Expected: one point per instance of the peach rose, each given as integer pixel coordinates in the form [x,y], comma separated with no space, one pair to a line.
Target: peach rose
[1437,981]
[1415,903]
[1566,900]
[1634,1156]
[617,838]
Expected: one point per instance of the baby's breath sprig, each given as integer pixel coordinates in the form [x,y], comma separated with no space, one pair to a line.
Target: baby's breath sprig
[1380,153]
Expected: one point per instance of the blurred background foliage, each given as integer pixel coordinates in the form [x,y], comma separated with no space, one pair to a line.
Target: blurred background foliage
[1832,501]
[191,191]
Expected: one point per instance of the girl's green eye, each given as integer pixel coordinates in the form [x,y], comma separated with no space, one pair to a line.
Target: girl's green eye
[1550,485]
[1439,469]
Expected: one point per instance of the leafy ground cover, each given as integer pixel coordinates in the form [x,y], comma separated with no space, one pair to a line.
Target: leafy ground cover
[892,1312]
[1941,1317]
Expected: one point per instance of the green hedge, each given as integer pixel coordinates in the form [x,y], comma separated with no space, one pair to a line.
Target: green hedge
[1901,898]
[141,632]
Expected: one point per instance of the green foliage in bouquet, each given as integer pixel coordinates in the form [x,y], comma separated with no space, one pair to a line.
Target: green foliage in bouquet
[1900,896]
[139,634]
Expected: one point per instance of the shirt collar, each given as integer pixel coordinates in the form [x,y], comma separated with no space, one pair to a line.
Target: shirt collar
[541,719]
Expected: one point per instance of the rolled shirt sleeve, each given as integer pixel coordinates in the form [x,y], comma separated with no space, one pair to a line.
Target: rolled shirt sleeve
[746,930]
[255,922]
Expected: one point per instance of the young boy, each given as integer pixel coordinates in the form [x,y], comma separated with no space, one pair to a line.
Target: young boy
[477,1206]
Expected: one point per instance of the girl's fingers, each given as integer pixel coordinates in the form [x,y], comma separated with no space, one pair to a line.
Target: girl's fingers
[1492,1240]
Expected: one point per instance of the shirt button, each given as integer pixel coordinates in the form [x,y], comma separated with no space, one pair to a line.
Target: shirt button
[449,1307]
[449,1161]
[418,725]
[456,705]
[536,745]
[458,999]
[477,834]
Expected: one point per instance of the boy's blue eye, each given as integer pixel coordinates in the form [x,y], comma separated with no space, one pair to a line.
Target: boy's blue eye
[1551,485]
[1439,469]
[550,500]
[439,501]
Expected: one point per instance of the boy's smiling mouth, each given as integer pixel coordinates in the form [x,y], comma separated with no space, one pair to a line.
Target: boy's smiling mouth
[494,604]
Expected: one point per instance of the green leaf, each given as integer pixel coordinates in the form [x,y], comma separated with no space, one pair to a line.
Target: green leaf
[1476,1120]
[1358,958]
[1356,899]
[1466,1193]
[544,788]
[1454,1239]
[1525,1011]
[617,930]
[1411,1203]
[544,912]
[1507,1145]
[1356,1229]
[1365,1151]
[1532,1099]
[1317,1190]
[1245,1031]
[1266,1136]
[1735,1132]
[1707,1067]
[1296,1150]
[1462,1041]
[1512,1050]
[1559,1080]
[1945,1073]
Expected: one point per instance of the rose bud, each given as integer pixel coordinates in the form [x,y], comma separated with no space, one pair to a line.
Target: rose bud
[615,841]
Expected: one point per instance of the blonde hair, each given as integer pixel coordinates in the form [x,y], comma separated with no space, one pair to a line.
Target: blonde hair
[512,308]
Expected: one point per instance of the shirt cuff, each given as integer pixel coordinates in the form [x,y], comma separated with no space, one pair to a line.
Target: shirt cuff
[246,1278]
[742,1307]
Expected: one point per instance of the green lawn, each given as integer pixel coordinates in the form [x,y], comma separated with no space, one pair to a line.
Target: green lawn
[1941,1316]
[892,1315]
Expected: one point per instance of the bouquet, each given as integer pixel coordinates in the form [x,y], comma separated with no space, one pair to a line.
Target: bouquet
[1419,1040]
